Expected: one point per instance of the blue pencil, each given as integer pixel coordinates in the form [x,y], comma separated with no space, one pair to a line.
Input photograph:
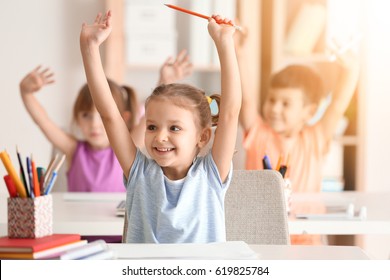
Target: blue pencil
[30,177]
[266,162]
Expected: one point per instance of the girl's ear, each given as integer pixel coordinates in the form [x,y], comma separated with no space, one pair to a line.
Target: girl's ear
[204,137]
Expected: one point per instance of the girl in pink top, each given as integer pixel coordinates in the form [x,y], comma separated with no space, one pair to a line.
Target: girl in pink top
[92,165]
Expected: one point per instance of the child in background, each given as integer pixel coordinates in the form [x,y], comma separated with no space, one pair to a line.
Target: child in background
[176,196]
[291,101]
[92,165]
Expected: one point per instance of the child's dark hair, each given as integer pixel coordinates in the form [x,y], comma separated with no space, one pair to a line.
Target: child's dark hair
[302,77]
[124,96]
[188,97]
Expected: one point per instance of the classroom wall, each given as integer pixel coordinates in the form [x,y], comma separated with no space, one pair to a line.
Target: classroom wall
[39,32]
[376,104]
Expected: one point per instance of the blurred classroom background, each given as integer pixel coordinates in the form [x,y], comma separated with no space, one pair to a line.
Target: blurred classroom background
[145,32]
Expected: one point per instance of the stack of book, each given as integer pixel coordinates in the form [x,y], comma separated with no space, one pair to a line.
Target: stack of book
[96,250]
[47,247]
[56,246]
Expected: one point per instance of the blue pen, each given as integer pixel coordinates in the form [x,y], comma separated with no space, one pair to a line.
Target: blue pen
[266,162]
[51,183]
[30,177]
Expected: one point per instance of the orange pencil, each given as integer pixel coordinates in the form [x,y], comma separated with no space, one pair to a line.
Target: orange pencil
[37,191]
[197,14]
[12,172]
[279,162]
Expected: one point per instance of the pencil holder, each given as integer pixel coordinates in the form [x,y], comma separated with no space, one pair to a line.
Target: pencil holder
[30,217]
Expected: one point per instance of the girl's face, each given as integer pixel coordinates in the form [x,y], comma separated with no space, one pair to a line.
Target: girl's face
[92,128]
[285,111]
[172,137]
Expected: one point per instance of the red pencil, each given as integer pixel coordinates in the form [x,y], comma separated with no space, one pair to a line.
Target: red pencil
[37,191]
[196,14]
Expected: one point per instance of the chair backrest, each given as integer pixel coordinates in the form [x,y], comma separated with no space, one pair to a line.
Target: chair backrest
[255,209]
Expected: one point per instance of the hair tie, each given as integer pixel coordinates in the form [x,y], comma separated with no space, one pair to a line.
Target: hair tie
[209,99]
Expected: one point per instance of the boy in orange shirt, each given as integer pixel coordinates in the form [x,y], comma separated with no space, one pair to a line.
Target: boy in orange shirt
[291,101]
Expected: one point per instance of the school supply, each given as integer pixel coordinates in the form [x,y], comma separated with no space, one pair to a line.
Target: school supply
[54,174]
[230,250]
[36,189]
[10,186]
[121,209]
[95,250]
[29,245]
[30,217]
[30,178]
[266,162]
[198,15]
[22,169]
[37,182]
[50,253]
[11,171]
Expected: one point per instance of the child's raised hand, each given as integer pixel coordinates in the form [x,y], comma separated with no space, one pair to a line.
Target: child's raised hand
[345,55]
[177,69]
[36,79]
[98,31]
[220,28]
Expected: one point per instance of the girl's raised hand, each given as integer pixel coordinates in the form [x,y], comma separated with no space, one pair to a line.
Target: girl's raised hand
[220,27]
[174,70]
[36,79]
[98,31]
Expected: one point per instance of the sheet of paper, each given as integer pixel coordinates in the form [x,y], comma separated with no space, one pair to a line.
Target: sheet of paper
[85,196]
[231,250]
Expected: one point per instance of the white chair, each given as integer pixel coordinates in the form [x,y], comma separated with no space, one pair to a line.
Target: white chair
[255,208]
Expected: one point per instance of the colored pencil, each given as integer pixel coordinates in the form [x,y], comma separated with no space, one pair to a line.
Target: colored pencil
[197,14]
[22,169]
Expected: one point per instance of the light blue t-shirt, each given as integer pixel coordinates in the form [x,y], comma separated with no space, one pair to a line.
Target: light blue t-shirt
[190,210]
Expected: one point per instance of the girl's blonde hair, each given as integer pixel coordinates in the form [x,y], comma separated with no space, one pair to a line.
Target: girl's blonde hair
[188,97]
[124,96]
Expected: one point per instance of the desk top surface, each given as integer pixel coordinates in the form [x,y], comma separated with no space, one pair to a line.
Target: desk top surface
[265,252]
[95,213]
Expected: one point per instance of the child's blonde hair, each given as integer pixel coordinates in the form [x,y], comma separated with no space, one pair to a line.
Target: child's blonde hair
[124,96]
[302,77]
[188,97]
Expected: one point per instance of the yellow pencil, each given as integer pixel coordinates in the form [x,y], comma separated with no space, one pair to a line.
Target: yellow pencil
[12,172]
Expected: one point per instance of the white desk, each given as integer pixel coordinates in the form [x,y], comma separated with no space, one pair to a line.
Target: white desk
[272,252]
[94,214]
[378,214]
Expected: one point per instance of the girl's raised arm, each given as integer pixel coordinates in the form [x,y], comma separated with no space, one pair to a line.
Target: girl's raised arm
[226,132]
[31,84]
[91,37]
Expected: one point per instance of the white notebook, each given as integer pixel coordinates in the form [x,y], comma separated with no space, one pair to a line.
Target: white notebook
[121,208]
[231,250]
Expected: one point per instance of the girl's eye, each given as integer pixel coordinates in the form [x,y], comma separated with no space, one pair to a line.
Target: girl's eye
[175,128]
[151,127]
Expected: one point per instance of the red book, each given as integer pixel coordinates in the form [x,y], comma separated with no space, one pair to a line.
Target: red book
[28,245]
[52,253]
